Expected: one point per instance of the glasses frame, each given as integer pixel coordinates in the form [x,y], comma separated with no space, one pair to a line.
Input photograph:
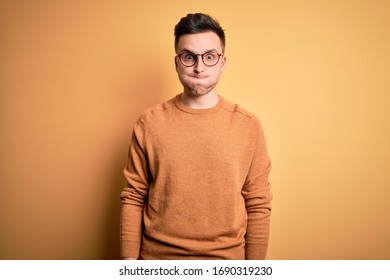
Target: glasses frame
[202,56]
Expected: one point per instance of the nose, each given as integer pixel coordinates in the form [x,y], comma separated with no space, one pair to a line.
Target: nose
[199,65]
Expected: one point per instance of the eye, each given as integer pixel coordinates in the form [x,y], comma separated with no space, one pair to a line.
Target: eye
[210,56]
[188,57]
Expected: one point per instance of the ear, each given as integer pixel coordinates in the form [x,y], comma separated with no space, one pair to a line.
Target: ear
[175,63]
[223,64]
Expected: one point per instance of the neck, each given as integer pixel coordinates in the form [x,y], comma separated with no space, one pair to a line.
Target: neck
[204,101]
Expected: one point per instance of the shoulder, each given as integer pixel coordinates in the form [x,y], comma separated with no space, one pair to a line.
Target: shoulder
[246,118]
[155,112]
[237,110]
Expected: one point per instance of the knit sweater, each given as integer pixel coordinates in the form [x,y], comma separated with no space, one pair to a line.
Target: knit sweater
[197,184]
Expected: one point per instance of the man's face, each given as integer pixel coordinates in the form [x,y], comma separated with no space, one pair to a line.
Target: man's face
[199,79]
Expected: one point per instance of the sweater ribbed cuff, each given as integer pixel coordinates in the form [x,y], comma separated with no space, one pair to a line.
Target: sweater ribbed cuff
[256,251]
[129,249]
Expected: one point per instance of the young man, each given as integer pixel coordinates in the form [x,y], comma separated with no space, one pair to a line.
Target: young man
[197,175]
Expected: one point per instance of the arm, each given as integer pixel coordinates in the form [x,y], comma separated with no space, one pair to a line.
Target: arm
[256,192]
[133,196]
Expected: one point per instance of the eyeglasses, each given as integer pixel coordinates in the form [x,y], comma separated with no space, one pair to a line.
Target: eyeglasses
[209,58]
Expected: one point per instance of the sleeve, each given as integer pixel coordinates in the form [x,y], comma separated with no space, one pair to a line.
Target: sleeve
[257,195]
[133,195]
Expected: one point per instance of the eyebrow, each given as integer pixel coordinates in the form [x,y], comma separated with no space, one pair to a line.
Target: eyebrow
[192,52]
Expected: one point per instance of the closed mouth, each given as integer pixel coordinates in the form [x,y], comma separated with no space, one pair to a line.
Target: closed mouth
[199,76]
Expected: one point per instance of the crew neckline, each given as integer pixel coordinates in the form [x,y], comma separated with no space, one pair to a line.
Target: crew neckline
[190,110]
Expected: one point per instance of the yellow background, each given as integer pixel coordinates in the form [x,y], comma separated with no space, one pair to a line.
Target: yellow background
[74,76]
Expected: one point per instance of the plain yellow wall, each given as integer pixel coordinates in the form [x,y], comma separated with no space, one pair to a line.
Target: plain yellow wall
[74,76]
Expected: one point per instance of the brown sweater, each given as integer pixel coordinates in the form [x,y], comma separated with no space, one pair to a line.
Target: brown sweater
[197,185]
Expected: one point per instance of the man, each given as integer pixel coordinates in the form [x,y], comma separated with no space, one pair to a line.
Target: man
[197,175]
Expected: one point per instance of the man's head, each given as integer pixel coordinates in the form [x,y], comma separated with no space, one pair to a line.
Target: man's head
[200,59]
[198,23]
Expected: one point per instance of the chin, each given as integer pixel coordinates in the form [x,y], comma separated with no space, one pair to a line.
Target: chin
[199,91]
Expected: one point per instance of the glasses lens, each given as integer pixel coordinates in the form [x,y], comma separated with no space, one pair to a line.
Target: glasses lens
[210,58]
[188,59]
